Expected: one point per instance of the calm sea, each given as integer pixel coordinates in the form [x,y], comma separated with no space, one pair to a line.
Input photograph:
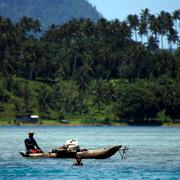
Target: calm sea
[154,153]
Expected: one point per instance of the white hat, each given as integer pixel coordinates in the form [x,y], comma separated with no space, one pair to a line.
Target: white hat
[30,132]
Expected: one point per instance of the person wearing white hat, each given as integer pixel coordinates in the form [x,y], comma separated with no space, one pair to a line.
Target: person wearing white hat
[31,144]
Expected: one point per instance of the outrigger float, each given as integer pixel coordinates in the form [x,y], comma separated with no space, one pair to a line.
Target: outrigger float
[102,153]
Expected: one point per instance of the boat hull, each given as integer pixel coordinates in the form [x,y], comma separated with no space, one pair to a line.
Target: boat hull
[89,154]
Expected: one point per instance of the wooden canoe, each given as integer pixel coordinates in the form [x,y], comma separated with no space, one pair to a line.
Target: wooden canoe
[89,154]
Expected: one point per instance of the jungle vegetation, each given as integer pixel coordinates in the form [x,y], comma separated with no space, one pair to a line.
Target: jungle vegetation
[108,70]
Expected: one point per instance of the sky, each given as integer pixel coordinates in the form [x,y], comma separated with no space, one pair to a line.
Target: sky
[112,9]
[120,9]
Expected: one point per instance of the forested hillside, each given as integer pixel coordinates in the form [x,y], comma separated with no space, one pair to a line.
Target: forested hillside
[48,11]
[95,70]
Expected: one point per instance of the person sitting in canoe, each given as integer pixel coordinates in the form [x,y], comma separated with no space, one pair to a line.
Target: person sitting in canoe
[31,144]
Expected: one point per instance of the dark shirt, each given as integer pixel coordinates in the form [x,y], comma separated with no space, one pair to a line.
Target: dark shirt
[30,143]
[78,164]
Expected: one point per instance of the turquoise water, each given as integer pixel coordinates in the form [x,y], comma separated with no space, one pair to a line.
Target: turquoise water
[154,153]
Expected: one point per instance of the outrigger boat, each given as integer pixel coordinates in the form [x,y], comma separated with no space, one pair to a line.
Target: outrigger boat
[87,154]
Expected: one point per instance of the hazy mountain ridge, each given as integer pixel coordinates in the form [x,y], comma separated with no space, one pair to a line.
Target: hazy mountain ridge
[48,11]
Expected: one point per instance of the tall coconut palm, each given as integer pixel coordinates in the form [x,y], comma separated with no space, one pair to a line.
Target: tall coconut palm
[145,13]
[142,29]
[153,25]
[144,23]
[166,22]
[133,22]
[126,31]
[161,26]
[176,17]
[172,37]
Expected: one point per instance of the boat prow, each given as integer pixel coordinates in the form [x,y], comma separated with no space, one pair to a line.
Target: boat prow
[99,153]
[22,153]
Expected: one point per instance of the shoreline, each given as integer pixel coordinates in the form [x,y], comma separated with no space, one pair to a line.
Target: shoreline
[95,125]
[74,121]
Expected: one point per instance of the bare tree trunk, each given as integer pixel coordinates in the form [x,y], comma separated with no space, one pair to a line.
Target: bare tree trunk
[136,35]
[162,41]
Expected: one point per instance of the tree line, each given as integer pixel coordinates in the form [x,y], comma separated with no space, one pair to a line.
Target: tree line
[103,62]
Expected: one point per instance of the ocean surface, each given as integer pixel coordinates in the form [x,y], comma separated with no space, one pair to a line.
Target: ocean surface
[154,153]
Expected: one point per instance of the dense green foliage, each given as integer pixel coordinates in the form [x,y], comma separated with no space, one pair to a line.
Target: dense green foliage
[137,102]
[92,69]
[48,11]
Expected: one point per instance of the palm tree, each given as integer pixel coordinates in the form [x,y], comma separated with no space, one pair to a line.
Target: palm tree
[153,25]
[172,37]
[165,24]
[102,28]
[142,29]
[133,22]
[118,32]
[27,24]
[145,13]
[152,44]
[176,17]
[6,36]
[161,26]
[8,46]
[144,23]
